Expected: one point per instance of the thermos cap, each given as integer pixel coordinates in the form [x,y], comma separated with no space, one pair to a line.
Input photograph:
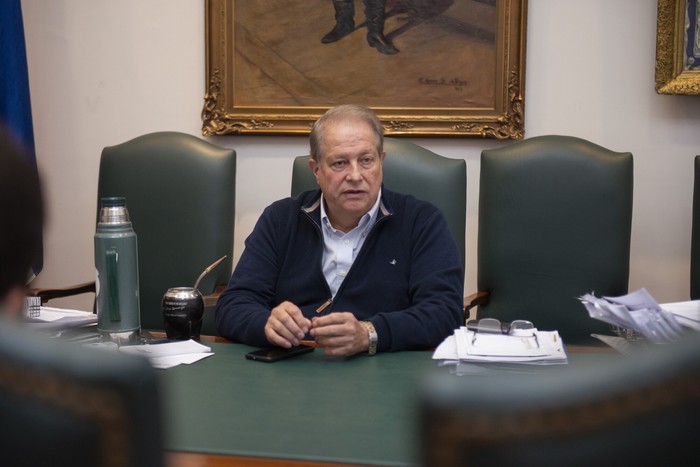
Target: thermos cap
[113,201]
[113,210]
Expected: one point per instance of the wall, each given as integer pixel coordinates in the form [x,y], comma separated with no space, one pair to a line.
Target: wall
[103,72]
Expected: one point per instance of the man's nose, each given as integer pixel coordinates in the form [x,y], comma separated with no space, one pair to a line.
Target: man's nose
[354,172]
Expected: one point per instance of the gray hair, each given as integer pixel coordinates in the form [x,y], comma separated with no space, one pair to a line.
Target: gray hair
[343,113]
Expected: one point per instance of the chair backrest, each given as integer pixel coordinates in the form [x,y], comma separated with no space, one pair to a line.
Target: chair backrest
[412,169]
[555,215]
[62,405]
[695,237]
[610,411]
[180,193]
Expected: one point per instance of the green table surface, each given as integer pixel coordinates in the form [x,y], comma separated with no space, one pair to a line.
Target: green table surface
[359,410]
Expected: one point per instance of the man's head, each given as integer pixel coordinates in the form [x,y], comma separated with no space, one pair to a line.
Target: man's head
[21,220]
[346,159]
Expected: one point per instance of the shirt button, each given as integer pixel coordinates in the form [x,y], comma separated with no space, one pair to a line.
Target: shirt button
[343,273]
[347,242]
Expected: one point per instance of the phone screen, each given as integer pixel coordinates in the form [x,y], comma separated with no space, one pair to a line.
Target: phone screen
[277,353]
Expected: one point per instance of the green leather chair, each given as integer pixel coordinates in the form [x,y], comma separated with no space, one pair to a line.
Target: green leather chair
[180,193]
[64,406]
[695,237]
[607,411]
[412,169]
[555,216]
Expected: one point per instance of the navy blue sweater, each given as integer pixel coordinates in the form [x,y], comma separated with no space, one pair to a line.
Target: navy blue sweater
[407,278]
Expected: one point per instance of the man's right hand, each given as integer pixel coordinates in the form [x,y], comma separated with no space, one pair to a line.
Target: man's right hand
[286,325]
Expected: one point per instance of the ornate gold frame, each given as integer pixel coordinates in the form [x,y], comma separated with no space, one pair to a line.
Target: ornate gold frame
[671,78]
[504,120]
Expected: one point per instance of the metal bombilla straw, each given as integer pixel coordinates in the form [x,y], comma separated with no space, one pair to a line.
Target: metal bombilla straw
[208,270]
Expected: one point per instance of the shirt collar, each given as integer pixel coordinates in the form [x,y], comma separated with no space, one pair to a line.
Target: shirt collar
[367,218]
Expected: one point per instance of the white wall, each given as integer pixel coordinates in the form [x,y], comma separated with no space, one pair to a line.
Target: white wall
[105,71]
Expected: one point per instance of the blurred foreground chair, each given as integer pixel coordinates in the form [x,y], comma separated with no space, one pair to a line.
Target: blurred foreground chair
[555,216]
[62,406]
[412,169]
[180,193]
[695,237]
[615,411]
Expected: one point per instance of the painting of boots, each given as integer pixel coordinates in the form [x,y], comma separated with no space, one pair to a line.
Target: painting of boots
[374,21]
[427,67]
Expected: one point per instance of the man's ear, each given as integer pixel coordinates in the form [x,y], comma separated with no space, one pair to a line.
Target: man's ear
[314,167]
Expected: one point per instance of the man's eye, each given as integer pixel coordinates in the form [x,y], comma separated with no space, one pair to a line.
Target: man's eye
[367,161]
[338,164]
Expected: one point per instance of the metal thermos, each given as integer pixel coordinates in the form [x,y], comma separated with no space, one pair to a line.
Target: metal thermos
[116,261]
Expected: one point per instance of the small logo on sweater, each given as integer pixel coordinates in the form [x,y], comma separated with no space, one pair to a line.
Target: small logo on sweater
[392,262]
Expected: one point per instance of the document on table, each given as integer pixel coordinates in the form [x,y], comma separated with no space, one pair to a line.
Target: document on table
[539,347]
[687,313]
[170,354]
[637,311]
[57,319]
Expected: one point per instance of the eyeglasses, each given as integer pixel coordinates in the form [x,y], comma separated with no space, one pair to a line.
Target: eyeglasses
[518,327]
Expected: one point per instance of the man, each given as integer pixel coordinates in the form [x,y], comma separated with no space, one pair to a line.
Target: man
[355,266]
[20,223]
[345,24]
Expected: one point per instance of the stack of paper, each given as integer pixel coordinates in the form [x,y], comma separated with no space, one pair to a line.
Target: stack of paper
[637,311]
[50,319]
[686,313]
[534,347]
[68,325]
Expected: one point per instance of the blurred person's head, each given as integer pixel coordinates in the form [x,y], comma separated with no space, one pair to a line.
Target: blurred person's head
[21,221]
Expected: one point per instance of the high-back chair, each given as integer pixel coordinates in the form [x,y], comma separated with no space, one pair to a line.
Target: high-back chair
[64,406]
[555,216]
[695,237]
[412,169]
[609,410]
[180,193]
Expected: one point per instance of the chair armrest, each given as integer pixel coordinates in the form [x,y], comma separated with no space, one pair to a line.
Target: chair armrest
[210,299]
[473,300]
[49,294]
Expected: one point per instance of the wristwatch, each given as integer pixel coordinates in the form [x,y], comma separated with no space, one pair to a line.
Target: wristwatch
[372,334]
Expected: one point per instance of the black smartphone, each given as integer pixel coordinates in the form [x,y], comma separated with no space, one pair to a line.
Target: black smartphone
[277,353]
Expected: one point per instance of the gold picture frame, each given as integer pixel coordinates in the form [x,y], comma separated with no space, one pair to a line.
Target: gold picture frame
[674,73]
[252,46]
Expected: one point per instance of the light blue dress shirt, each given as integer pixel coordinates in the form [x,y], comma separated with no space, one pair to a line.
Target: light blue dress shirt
[339,248]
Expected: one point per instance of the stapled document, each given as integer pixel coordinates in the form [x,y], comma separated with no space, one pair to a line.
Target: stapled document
[536,347]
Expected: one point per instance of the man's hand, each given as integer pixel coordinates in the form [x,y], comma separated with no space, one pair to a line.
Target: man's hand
[286,325]
[340,334]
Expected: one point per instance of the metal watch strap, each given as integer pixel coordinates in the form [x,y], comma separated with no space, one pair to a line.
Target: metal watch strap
[372,334]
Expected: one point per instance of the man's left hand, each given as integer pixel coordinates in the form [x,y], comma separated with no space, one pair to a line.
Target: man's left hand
[340,334]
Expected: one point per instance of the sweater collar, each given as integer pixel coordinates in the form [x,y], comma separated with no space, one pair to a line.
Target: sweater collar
[313,207]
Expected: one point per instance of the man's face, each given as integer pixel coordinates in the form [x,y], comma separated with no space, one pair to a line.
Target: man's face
[349,172]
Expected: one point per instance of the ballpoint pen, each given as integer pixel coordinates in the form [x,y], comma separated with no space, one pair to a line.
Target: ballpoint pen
[311,342]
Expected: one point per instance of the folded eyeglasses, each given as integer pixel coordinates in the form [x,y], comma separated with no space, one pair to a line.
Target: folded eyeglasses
[518,327]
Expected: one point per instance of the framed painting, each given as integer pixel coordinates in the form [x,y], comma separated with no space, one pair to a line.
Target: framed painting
[678,47]
[426,67]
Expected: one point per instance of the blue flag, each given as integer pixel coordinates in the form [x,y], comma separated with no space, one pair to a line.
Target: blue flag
[15,106]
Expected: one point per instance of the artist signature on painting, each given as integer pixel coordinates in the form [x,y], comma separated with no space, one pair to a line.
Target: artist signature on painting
[457,83]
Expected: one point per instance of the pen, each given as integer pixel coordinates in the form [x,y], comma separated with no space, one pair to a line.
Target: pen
[324,305]
[309,342]
[313,343]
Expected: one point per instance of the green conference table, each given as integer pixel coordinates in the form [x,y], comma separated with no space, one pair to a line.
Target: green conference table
[305,411]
